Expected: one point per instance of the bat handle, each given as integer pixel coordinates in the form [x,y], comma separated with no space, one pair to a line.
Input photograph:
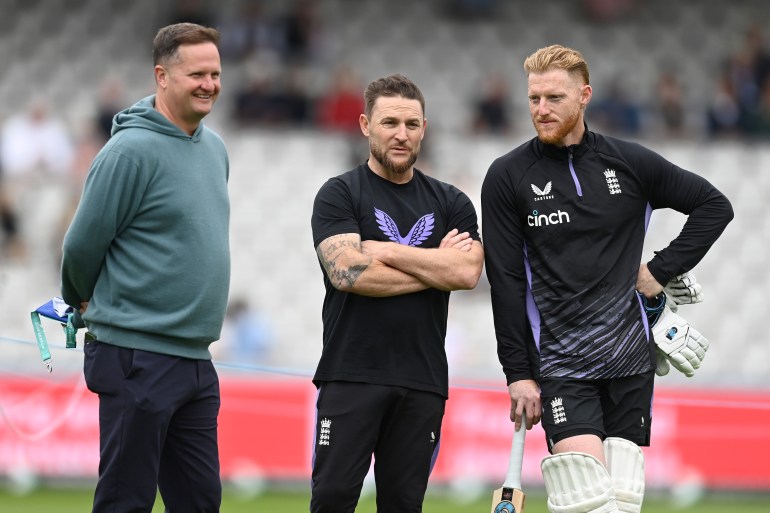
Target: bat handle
[513,476]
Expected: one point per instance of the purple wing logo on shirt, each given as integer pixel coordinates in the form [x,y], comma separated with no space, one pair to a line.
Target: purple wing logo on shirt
[421,230]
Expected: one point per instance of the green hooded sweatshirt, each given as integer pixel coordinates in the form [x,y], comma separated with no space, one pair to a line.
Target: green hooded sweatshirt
[149,244]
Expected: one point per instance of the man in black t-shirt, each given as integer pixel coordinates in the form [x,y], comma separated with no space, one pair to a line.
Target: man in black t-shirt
[392,243]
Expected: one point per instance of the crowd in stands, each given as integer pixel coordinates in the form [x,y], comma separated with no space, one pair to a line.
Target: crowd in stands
[281,54]
[741,105]
[36,148]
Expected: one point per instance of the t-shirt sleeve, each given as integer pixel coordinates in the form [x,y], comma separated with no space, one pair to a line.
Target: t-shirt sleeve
[333,211]
[463,216]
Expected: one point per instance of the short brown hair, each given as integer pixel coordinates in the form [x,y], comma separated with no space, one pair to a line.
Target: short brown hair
[557,57]
[169,38]
[392,85]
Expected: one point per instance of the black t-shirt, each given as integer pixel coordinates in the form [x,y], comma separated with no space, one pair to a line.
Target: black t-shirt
[395,340]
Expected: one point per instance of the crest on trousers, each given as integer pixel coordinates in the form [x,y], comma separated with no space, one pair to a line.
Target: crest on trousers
[557,408]
[325,435]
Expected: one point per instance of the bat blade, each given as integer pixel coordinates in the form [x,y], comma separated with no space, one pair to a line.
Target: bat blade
[509,498]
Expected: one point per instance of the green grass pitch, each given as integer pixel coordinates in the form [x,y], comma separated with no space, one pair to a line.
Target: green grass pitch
[47,500]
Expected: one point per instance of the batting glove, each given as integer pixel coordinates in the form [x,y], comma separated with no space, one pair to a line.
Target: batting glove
[654,309]
[683,290]
[681,345]
[661,363]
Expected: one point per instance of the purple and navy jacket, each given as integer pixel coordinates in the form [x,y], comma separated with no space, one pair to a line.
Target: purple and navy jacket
[564,231]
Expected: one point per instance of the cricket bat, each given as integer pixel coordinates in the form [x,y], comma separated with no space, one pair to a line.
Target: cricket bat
[509,498]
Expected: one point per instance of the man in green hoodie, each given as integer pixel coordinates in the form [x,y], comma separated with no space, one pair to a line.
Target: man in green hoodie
[146,260]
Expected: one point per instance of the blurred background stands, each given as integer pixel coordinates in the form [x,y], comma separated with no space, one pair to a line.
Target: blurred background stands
[692,72]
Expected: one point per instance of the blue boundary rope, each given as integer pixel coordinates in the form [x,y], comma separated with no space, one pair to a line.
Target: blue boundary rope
[305,373]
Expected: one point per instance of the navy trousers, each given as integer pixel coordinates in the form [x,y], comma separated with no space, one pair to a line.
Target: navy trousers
[157,430]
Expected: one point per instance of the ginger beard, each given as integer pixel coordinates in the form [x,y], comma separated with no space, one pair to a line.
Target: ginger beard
[557,131]
[389,164]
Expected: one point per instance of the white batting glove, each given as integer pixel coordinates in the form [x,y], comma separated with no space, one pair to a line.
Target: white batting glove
[682,346]
[661,363]
[683,290]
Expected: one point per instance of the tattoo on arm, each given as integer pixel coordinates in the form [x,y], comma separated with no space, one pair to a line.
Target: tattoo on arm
[330,250]
[350,275]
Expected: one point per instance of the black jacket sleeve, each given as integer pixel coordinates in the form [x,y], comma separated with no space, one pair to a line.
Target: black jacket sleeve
[504,254]
[708,213]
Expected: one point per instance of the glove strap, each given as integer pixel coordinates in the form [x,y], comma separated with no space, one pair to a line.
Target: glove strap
[653,312]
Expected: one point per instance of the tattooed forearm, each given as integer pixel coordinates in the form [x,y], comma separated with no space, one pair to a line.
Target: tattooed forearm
[331,254]
[347,277]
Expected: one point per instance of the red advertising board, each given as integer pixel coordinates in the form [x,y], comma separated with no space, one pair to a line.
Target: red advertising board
[718,439]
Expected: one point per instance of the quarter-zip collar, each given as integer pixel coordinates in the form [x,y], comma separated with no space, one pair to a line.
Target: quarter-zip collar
[564,152]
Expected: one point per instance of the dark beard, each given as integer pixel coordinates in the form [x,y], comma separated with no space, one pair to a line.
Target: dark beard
[391,166]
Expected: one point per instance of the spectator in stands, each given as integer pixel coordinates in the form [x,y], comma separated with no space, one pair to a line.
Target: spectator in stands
[11,245]
[275,100]
[670,106]
[760,126]
[36,154]
[724,113]
[254,102]
[747,69]
[302,32]
[616,112]
[89,139]
[740,70]
[342,103]
[755,55]
[35,142]
[338,109]
[247,334]
[110,103]
[608,11]
[190,11]
[293,104]
[251,29]
[491,110]
[468,10]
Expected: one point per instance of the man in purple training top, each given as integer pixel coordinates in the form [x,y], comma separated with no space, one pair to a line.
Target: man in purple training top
[564,218]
